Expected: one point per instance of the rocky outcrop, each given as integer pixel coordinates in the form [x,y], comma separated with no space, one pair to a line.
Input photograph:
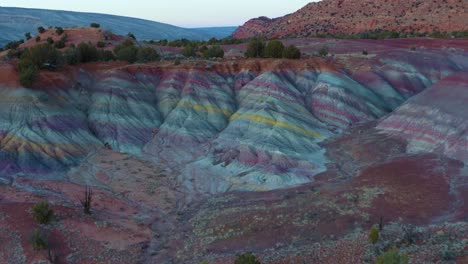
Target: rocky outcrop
[353,16]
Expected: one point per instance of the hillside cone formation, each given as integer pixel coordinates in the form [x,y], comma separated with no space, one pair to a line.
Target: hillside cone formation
[355,16]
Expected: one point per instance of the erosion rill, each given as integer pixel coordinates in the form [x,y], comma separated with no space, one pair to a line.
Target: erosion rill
[169,150]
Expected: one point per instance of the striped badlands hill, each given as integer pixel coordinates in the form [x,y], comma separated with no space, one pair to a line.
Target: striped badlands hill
[435,120]
[248,124]
[293,160]
[355,16]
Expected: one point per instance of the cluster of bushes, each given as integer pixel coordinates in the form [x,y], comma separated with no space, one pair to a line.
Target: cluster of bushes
[214,51]
[273,49]
[47,56]
[43,214]
[196,43]
[43,56]
[127,51]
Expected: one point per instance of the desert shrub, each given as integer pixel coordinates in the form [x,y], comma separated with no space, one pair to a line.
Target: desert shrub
[45,55]
[14,44]
[177,62]
[38,39]
[41,30]
[106,55]
[38,240]
[95,25]
[255,49]
[59,44]
[128,54]
[323,51]
[374,235]
[214,52]
[392,256]
[72,56]
[101,44]
[88,52]
[27,76]
[291,52]
[274,49]
[147,54]
[42,213]
[125,44]
[126,51]
[203,48]
[59,30]
[189,51]
[131,35]
[364,52]
[14,53]
[213,41]
[50,40]
[28,36]
[246,258]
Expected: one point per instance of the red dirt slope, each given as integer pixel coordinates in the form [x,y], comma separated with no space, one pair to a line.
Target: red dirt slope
[354,16]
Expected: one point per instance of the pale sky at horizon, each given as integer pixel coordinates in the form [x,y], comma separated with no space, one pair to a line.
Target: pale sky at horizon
[203,13]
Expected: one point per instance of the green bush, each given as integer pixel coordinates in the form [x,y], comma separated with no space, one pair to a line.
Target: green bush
[27,76]
[147,55]
[95,25]
[101,44]
[72,56]
[88,52]
[323,51]
[255,49]
[42,213]
[130,35]
[392,256]
[106,55]
[28,36]
[364,52]
[374,235]
[213,52]
[59,30]
[50,40]
[177,62]
[38,39]
[126,51]
[59,44]
[274,49]
[41,30]
[38,240]
[246,258]
[189,51]
[14,44]
[291,52]
[128,54]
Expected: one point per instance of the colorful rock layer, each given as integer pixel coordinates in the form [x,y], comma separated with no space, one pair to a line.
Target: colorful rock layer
[435,120]
[226,126]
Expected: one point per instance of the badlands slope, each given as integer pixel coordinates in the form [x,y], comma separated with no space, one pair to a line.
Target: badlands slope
[328,145]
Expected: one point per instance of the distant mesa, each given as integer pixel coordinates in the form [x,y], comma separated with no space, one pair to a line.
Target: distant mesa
[355,16]
[15,22]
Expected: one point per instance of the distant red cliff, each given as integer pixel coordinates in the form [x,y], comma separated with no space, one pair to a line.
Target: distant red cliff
[353,16]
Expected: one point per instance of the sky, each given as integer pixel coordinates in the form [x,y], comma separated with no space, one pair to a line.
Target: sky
[183,13]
